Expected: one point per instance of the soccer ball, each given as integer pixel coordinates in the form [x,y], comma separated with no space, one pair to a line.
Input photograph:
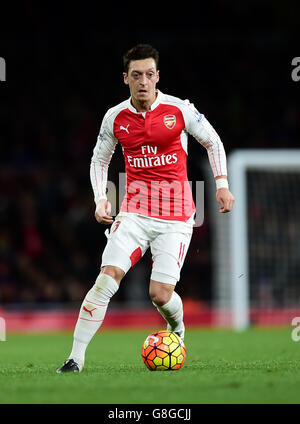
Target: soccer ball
[163,351]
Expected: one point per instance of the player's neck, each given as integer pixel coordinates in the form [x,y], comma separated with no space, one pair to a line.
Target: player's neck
[143,106]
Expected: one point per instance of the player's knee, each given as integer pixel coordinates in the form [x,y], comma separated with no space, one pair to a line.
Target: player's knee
[160,297]
[113,271]
[103,290]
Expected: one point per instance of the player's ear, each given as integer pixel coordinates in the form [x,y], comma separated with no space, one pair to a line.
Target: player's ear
[157,75]
[125,76]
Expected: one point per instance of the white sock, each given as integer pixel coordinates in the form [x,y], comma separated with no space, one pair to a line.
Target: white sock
[91,315]
[172,311]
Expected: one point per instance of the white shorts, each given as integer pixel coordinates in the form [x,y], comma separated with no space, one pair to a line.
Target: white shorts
[131,235]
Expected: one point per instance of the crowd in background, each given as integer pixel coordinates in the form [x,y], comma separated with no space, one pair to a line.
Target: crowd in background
[60,83]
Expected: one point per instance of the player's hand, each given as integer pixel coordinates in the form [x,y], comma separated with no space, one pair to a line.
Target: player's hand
[225,199]
[102,213]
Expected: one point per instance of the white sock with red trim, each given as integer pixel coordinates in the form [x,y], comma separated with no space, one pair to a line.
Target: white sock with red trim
[91,315]
[172,311]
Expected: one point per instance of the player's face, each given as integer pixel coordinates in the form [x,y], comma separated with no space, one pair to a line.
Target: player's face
[142,78]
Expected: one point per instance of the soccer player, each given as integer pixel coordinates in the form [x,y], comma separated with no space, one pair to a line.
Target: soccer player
[158,209]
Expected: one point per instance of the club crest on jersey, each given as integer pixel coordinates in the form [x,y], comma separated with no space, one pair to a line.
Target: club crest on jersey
[170,121]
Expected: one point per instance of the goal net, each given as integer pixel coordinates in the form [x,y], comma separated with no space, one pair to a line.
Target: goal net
[256,247]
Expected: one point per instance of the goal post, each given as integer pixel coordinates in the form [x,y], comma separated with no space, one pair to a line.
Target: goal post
[254,265]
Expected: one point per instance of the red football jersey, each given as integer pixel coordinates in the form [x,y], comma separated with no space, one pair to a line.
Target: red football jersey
[154,145]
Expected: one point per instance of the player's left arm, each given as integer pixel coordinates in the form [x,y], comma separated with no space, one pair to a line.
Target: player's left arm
[199,127]
[224,196]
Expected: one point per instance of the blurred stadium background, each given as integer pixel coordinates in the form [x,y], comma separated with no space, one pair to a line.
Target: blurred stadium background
[64,70]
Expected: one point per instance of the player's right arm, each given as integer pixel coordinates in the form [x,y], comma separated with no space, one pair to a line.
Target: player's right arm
[102,212]
[101,158]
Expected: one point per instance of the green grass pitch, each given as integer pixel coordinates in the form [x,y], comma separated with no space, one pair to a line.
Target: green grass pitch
[222,366]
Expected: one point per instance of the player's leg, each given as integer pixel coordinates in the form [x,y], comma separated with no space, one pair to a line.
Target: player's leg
[160,293]
[168,253]
[120,254]
[169,305]
[93,311]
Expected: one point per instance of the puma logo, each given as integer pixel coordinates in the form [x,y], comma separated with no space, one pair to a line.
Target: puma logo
[125,129]
[89,311]
[154,338]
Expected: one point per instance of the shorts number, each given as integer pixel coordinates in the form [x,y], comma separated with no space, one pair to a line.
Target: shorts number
[117,223]
[181,254]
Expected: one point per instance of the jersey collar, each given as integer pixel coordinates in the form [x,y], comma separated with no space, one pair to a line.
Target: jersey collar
[153,106]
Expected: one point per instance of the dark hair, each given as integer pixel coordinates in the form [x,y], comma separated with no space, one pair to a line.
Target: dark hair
[139,52]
